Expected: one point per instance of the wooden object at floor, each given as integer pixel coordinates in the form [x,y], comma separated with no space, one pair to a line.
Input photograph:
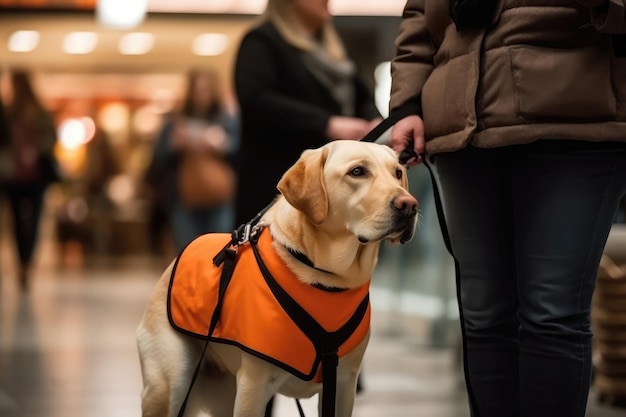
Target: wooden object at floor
[609,322]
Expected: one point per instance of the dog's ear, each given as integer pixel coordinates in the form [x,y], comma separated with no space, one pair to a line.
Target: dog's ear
[303,185]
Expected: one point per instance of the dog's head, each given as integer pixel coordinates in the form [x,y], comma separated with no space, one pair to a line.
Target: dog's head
[356,186]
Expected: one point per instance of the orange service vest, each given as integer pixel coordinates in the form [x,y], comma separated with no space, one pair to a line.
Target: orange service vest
[251,317]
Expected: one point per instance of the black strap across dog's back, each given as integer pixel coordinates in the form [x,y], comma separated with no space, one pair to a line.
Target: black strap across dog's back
[227,256]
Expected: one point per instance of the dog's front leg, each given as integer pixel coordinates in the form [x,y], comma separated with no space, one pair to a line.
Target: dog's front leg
[257,382]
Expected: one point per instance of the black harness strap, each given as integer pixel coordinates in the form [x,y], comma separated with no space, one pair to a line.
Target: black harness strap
[228,258]
[326,343]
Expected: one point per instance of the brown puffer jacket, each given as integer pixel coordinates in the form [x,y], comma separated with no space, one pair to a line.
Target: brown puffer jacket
[545,69]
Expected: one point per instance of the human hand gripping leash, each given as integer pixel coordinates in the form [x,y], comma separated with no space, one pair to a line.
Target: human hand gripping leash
[377,134]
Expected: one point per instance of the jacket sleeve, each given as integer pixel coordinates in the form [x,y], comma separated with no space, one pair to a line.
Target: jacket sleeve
[413,62]
[257,81]
[609,16]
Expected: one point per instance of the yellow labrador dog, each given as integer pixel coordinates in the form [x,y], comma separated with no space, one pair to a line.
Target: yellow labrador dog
[336,205]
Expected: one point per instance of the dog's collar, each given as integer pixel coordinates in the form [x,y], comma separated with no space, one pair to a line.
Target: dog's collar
[305,260]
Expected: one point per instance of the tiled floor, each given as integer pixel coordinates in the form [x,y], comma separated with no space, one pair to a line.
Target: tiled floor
[67,349]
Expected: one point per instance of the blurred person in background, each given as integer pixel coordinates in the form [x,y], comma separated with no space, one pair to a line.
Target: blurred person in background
[5,142]
[521,105]
[101,166]
[29,166]
[297,89]
[203,125]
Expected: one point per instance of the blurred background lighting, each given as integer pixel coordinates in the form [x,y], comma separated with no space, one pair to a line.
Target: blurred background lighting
[77,209]
[209,44]
[80,43]
[382,75]
[90,128]
[71,133]
[146,121]
[121,189]
[23,41]
[162,100]
[121,14]
[136,43]
[74,133]
[114,117]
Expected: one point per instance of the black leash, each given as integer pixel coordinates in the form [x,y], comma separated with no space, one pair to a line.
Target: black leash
[387,124]
[228,257]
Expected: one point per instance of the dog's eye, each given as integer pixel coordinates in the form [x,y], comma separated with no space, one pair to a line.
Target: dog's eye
[399,174]
[357,171]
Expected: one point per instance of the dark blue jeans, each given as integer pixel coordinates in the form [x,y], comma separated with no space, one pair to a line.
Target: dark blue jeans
[187,224]
[527,226]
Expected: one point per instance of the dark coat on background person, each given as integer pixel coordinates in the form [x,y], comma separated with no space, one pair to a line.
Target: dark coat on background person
[4,127]
[284,110]
[5,144]
[6,162]
[541,70]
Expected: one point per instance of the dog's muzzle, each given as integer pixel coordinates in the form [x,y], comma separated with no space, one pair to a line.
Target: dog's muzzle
[405,214]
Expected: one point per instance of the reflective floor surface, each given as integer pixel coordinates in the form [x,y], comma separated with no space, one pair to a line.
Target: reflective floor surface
[67,349]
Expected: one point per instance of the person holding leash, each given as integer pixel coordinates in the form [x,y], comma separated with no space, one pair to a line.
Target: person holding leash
[521,106]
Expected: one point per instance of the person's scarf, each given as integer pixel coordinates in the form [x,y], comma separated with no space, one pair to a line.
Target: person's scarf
[472,14]
[336,75]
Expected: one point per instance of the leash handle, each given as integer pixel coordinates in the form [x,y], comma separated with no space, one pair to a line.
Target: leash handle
[388,123]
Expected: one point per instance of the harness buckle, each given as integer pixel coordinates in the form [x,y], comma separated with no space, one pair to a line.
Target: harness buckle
[246,233]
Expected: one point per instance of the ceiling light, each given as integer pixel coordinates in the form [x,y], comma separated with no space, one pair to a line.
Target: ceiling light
[136,43]
[80,43]
[209,44]
[121,14]
[23,41]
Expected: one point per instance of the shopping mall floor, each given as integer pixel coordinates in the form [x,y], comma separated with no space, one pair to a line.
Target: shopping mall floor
[67,348]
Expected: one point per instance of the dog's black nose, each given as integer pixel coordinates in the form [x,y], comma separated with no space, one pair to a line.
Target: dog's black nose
[406,205]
